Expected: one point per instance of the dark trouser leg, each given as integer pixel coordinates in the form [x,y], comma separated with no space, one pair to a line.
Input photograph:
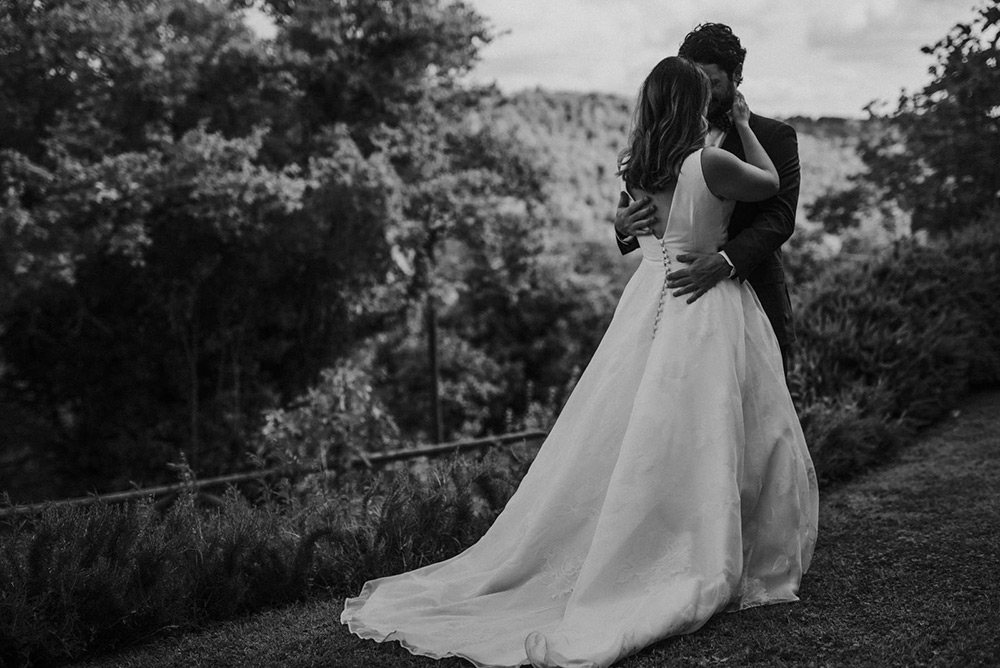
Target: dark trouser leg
[786,357]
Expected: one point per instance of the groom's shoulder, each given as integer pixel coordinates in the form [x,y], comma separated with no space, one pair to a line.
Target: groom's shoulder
[762,125]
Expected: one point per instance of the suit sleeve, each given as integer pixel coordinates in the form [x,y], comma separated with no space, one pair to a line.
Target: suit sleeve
[626,246]
[774,221]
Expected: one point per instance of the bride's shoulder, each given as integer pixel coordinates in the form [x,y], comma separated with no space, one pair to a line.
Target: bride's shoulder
[714,158]
[719,168]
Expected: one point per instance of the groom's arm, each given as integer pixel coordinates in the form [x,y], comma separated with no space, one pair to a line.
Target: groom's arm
[774,221]
[632,218]
[627,244]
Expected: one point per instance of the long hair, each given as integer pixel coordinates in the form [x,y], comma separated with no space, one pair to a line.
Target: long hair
[667,126]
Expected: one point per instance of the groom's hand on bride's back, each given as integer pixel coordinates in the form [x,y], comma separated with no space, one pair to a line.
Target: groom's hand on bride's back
[635,218]
[703,272]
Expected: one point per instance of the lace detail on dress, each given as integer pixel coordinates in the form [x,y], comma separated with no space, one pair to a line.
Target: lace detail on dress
[580,507]
[751,593]
[561,574]
[676,560]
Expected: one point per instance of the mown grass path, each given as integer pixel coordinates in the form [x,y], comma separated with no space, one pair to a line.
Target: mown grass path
[906,573]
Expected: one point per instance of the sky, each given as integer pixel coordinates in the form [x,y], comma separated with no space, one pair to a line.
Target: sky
[804,57]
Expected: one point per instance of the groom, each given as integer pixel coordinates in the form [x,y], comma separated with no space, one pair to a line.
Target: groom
[756,229]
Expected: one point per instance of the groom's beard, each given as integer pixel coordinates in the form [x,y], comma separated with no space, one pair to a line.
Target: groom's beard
[718,108]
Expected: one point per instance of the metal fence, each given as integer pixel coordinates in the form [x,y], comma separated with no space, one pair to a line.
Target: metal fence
[370,460]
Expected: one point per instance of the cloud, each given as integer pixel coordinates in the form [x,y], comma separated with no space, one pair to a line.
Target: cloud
[849,17]
[803,58]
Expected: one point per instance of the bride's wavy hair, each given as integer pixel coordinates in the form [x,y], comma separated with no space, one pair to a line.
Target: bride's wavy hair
[668,124]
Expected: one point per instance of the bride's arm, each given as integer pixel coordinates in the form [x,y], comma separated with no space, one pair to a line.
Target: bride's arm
[729,177]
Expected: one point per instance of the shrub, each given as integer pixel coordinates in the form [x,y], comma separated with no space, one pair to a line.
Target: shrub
[80,580]
[334,423]
[410,520]
[891,346]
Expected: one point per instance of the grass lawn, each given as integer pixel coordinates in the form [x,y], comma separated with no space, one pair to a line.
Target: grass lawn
[906,573]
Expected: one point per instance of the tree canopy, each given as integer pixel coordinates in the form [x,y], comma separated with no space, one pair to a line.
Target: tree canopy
[195,221]
[198,225]
[935,155]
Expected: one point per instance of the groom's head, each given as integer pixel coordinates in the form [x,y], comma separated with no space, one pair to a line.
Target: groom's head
[718,52]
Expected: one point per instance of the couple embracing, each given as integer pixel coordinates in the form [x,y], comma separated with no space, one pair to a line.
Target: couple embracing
[675,482]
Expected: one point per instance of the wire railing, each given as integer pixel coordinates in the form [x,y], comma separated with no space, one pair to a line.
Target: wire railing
[369,460]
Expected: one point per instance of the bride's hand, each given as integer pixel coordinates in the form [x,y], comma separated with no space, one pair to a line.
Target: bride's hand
[741,111]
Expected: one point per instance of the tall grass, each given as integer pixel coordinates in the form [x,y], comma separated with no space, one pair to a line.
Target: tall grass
[884,349]
[81,580]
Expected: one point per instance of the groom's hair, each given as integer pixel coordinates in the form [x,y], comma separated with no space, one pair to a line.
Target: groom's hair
[715,44]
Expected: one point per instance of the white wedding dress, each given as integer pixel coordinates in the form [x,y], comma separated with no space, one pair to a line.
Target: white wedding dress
[674,484]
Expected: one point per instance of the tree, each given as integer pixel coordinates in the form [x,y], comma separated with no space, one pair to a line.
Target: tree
[457,177]
[936,154]
[193,221]
[367,64]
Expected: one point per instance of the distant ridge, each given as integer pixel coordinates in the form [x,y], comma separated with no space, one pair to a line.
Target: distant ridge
[578,136]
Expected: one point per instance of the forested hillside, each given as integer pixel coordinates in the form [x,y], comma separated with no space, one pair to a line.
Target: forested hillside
[578,135]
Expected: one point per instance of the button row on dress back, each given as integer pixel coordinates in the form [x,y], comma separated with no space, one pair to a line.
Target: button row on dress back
[663,290]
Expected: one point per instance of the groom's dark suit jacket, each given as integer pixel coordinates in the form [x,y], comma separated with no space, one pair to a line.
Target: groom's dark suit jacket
[757,229]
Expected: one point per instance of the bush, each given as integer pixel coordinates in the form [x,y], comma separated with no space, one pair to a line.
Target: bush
[891,346]
[333,424]
[75,581]
[83,579]
[395,524]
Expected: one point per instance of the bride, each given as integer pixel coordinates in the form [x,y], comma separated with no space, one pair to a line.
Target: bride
[675,483]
